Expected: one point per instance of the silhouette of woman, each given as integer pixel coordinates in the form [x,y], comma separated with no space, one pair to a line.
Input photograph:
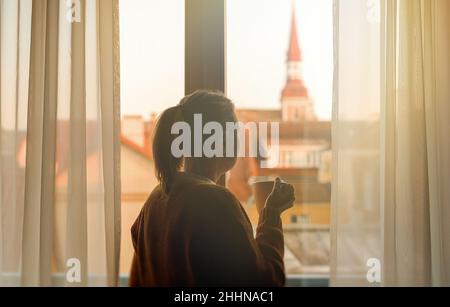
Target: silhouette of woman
[193,232]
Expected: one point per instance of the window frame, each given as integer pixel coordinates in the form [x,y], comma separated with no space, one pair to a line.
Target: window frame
[205,47]
[205,51]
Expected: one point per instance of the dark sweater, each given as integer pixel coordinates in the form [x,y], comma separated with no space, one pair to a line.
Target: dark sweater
[200,236]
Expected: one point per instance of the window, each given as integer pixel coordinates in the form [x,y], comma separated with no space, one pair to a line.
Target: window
[280,62]
[276,71]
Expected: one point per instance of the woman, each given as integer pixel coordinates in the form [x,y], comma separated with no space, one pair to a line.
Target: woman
[195,233]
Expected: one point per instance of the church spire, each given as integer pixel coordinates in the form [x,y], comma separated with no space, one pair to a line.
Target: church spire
[294,86]
[294,52]
[295,100]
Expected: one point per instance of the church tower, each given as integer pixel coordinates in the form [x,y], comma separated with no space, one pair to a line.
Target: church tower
[296,104]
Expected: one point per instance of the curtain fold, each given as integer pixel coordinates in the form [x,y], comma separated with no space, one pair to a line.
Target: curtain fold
[437,97]
[110,79]
[41,144]
[77,235]
[60,117]
[399,218]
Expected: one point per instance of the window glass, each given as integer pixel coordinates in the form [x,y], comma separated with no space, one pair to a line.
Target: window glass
[280,69]
[152,79]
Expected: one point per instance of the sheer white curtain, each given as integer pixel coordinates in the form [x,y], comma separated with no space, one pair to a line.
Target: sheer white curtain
[391,196]
[59,179]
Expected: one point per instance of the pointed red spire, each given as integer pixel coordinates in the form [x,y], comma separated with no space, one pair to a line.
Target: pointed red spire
[294,53]
[294,85]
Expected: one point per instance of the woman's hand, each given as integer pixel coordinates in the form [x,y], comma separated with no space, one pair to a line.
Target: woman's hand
[282,196]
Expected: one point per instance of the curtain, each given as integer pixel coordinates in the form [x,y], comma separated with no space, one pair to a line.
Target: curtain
[391,173]
[59,163]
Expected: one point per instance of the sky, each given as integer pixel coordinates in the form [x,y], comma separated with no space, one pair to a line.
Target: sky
[152,52]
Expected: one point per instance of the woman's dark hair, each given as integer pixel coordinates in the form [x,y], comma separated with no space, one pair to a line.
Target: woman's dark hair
[212,105]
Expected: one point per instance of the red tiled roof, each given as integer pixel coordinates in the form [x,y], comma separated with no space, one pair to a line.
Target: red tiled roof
[288,130]
[294,88]
[253,115]
[312,130]
[142,150]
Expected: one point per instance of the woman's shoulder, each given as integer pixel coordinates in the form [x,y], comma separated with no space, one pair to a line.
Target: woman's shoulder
[213,192]
[206,195]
